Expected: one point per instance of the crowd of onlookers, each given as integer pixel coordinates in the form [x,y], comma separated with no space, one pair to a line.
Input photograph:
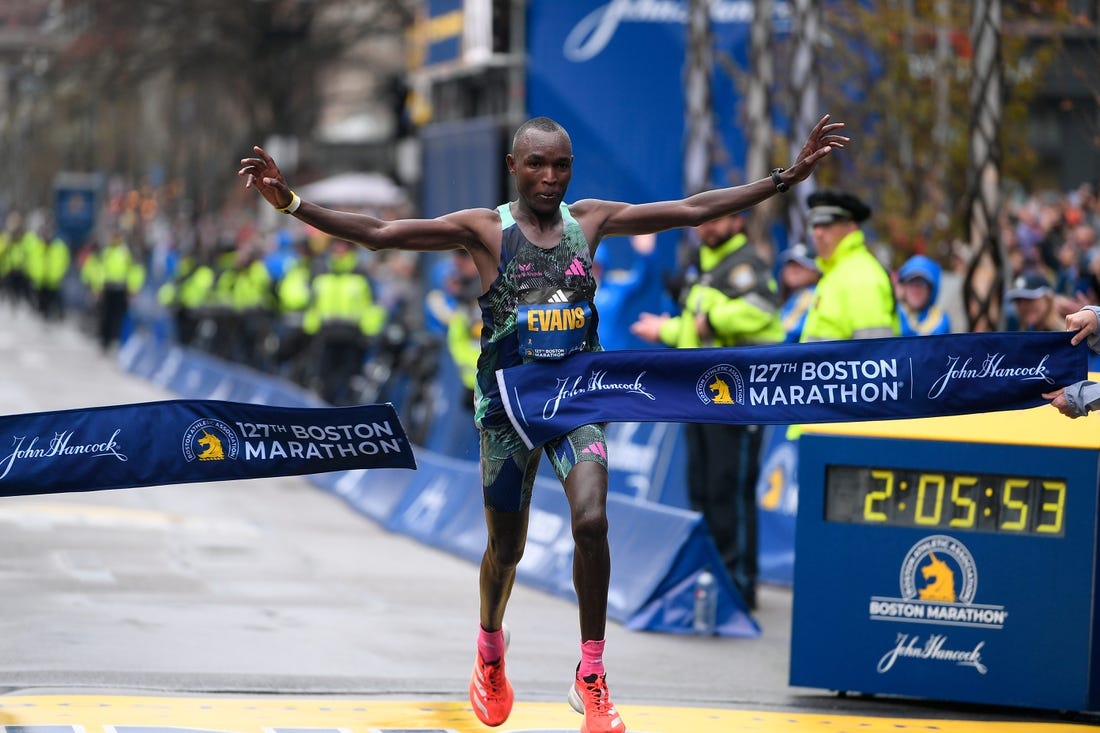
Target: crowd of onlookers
[1051,243]
[1051,263]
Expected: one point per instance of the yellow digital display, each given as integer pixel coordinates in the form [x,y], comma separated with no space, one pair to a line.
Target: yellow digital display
[946,500]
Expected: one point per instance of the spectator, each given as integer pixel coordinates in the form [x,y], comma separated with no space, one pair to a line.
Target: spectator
[1032,298]
[798,277]
[919,283]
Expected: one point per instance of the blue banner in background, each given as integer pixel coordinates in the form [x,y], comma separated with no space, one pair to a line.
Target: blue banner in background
[827,381]
[612,73]
[75,206]
[188,441]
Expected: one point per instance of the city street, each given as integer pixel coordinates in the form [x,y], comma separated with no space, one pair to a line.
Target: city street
[272,605]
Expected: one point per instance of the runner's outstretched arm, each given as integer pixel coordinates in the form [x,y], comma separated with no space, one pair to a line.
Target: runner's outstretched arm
[459,229]
[629,219]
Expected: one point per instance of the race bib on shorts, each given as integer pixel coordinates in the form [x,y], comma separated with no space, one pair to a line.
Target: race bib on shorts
[551,325]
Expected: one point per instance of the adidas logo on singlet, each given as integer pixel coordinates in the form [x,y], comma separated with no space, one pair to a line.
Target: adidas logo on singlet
[576,268]
[558,297]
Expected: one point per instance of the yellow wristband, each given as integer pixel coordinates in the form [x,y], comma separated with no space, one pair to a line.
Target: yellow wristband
[295,202]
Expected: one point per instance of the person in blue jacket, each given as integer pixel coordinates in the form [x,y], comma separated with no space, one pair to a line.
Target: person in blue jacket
[798,276]
[919,285]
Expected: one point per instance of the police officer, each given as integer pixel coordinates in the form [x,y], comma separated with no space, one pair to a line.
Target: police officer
[293,293]
[17,256]
[49,276]
[113,275]
[730,299]
[34,265]
[192,294]
[342,318]
[253,303]
[6,246]
[854,298]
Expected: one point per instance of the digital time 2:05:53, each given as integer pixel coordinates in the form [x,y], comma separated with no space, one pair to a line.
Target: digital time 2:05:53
[983,502]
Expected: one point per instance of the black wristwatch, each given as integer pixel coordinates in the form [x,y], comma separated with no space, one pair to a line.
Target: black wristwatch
[779,184]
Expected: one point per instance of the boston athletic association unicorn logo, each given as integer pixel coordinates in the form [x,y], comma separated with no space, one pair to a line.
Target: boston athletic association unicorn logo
[210,439]
[722,384]
[940,581]
[939,570]
[721,391]
[212,448]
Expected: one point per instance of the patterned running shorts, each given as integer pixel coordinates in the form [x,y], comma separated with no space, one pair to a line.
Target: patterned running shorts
[508,467]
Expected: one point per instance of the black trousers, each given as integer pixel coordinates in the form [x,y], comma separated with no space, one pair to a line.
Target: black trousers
[723,466]
[114,301]
[340,349]
[50,304]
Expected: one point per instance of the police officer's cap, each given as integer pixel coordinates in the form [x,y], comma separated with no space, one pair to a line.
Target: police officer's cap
[828,206]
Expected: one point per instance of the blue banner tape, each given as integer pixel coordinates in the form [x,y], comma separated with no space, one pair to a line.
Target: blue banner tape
[187,441]
[827,381]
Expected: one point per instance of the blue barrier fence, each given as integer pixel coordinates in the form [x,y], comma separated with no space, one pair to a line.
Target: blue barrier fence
[658,551]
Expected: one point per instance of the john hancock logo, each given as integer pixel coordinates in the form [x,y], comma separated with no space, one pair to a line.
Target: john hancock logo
[721,385]
[938,581]
[210,439]
[991,367]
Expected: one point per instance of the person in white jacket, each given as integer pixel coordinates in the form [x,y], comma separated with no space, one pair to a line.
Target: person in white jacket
[1079,398]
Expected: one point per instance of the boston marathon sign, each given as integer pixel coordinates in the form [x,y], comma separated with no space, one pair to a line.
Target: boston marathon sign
[829,381]
[187,441]
[826,383]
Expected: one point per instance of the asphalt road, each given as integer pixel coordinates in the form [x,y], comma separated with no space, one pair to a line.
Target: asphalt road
[276,587]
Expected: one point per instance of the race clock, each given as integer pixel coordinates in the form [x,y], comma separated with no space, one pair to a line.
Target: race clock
[950,500]
[949,559]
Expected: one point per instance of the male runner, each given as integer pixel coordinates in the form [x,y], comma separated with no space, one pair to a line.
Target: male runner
[534,257]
